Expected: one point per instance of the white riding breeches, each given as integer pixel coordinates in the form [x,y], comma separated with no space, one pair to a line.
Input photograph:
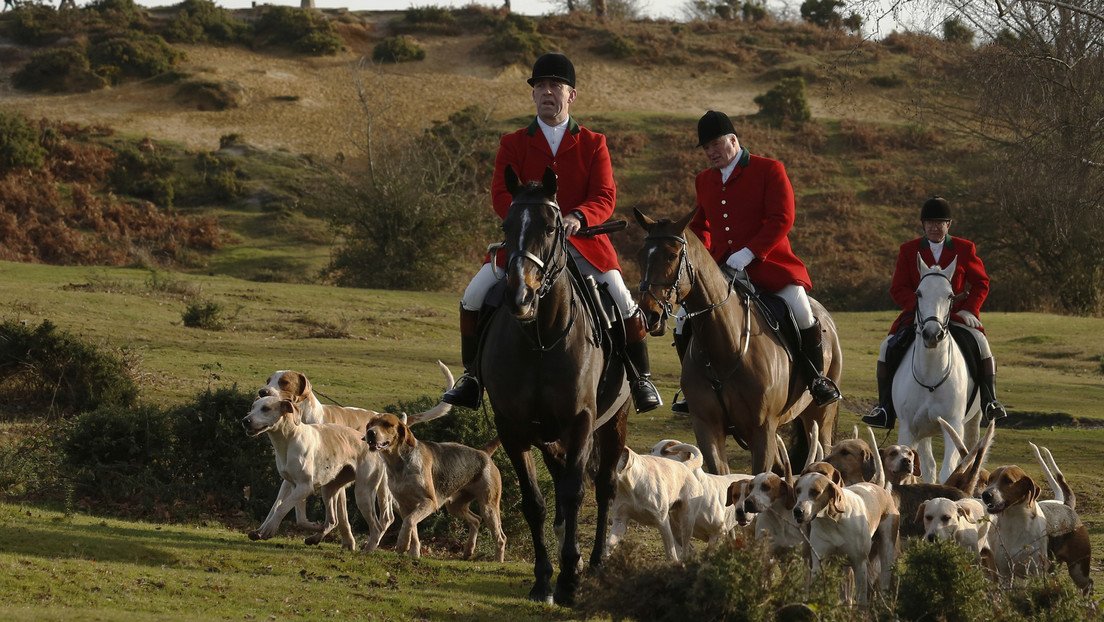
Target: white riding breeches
[796,299]
[979,337]
[485,279]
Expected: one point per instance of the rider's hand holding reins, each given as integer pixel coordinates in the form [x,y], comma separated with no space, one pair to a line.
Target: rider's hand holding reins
[572,224]
[969,319]
[739,260]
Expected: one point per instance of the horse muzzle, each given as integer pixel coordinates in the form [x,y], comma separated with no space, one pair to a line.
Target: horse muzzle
[933,336]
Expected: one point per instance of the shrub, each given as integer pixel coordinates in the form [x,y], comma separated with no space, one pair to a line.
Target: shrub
[785,102]
[941,580]
[198,21]
[300,29]
[211,94]
[221,176]
[823,13]
[617,46]
[133,54]
[432,19]
[61,373]
[148,175]
[60,70]
[35,24]
[514,39]
[1048,598]
[115,15]
[753,11]
[19,147]
[853,23]
[887,82]
[203,314]
[398,49]
[956,31]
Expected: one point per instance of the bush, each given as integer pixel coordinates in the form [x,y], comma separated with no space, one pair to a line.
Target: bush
[58,372]
[753,11]
[115,15]
[203,314]
[941,580]
[148,175]
[887,82]
[823,13]
[398,49]
[199,21]
[19,147]
[956,31]
[210,94]
[785,102]
[35,24]
[301,30]
[430,19]
[58,70]
[134,54]
[514,40]
[617,46]
[737,580]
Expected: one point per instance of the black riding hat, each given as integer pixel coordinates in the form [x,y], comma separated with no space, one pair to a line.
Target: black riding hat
[713,124]
[936,208]
[553,66]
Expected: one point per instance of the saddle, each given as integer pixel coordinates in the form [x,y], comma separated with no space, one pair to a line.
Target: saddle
[777,317]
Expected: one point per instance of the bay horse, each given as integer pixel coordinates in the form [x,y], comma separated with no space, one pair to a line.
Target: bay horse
[542,364]
[933,380]
[736,375]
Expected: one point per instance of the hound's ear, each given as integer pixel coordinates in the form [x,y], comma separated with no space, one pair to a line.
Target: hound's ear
[683,222]
[548,183]
[1025,489]
[289,410]
[836,477]
[964,514]
[920,513]
[405,436]
[735,491]
[835,501]
[869,468]
[645,222]
[304,386]
[513,184]
[789,497]
[915,462]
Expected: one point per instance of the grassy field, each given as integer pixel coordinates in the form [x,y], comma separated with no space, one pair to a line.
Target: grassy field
[380,349]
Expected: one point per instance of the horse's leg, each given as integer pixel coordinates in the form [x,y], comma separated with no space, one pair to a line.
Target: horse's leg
[764,447]
[611,440]
[555,465]
[569,496]
[710,435]
[532,507]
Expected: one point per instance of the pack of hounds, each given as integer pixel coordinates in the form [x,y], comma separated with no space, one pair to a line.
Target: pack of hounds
[853,500]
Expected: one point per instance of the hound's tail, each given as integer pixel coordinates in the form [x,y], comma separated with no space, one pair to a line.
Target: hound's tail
[442,408]
[687,454]
[492,446]
[1054,477]
[879,468]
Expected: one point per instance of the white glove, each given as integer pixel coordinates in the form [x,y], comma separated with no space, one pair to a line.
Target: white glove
[740,259]
[969,319]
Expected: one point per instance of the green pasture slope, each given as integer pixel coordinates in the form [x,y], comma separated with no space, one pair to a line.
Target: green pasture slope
[374,348]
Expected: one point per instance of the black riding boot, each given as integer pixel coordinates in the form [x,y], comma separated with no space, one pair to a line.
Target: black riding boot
[467,392]
[882,415]
[823,390]
[682,341]
[991,408]
[644,394]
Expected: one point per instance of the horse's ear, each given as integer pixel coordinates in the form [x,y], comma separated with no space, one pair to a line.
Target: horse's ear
[685,220]
[645,222]
[950,269]
[549,183]
[512,181]
[920,265]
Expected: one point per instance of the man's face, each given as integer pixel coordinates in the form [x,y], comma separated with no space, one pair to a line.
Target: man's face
[936,230]
[721,150]
[553,98]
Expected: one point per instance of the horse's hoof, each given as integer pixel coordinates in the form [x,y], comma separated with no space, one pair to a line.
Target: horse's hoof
[541,595]
[564,598]
[255,535]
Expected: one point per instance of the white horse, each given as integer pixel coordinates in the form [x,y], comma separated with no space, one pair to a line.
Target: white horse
[933,380]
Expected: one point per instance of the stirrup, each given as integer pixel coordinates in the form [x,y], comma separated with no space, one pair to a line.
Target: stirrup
[824,391]
[644,394]
[878,418]
[992,410]
[467,392]
[679,405]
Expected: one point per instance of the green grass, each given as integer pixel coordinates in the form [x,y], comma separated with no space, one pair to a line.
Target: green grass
[86,567]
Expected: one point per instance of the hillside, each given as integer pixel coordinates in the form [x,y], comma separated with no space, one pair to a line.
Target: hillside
[859,169]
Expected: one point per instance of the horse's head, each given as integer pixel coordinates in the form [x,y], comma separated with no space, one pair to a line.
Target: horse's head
[666,275]
[535,242]
[934,297]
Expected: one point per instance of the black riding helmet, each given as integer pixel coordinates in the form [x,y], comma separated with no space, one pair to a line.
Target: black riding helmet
[936,208]
[554,66]
[713,124]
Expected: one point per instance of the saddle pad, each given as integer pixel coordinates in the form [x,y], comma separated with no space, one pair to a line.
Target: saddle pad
[778,318]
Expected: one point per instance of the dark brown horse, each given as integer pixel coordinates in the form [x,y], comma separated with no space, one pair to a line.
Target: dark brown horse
[542,364]
[737,377]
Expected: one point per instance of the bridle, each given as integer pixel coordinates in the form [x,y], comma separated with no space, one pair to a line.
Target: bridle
[944,323]
[548,269]
[673,290]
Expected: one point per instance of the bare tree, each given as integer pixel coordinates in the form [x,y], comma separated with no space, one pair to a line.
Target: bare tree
[306,4]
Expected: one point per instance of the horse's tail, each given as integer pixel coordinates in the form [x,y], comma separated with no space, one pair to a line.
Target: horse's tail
[799,442]
[492,446]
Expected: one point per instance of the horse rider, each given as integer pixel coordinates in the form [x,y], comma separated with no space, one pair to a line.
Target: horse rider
[745,210]
[936,247]
[586,194]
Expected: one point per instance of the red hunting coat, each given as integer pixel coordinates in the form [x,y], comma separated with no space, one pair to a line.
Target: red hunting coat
[754,208]
[584,181]
[969,276]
